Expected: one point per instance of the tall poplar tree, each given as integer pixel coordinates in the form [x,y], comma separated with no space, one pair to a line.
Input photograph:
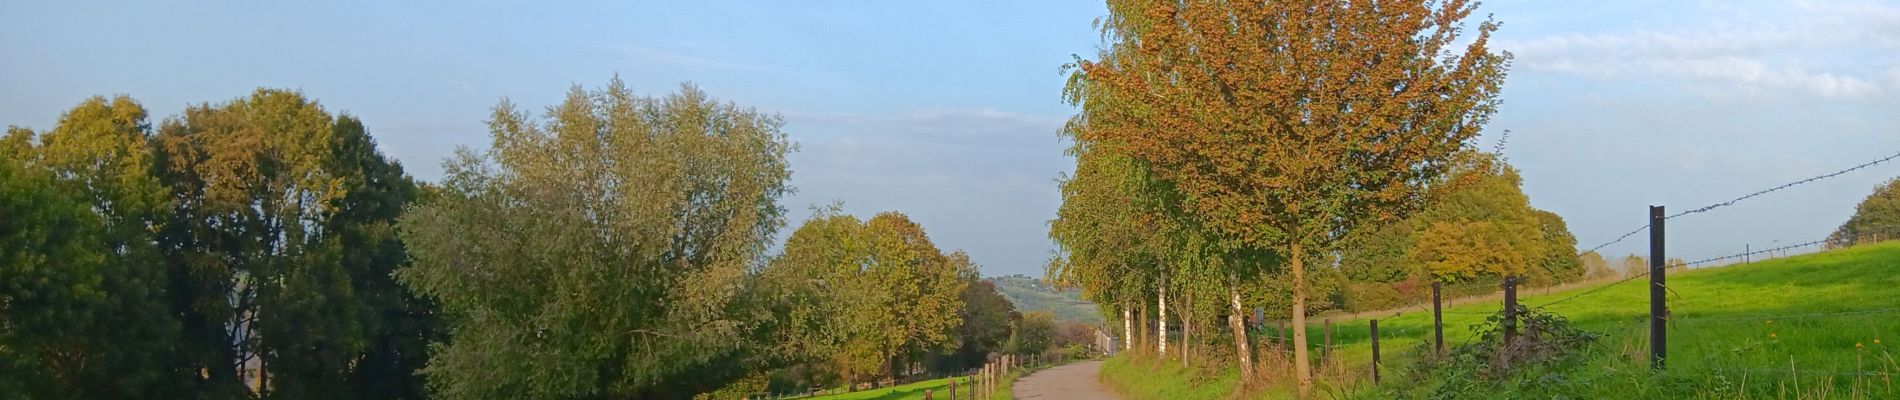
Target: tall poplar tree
[1287,125]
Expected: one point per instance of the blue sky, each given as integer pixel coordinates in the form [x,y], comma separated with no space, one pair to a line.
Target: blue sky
[947,111]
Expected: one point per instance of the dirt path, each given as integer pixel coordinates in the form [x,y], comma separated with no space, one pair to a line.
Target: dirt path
[1071,381]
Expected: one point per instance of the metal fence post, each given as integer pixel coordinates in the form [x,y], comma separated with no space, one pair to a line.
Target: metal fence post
[1658,310]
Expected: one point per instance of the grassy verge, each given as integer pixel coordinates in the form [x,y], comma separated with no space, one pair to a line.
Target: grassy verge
[1137,377]
[940,389]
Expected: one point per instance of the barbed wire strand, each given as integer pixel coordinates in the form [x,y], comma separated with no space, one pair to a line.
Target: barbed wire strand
[1784,186]
[1596,289]
[1740,255]
[1731,202]
[1618,240]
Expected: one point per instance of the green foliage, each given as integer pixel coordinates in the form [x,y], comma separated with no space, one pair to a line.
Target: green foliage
[100,151]
[396,325]
[604,251]
[1479,227]
[870,296]
[257,241]
[1382,254]
[1876,218]
[987,316]
[1540,339]
[50,287]
[1034,334]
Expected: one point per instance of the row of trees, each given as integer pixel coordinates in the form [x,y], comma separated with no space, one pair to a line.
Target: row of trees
[1224,149]
[614,246]
[248,241]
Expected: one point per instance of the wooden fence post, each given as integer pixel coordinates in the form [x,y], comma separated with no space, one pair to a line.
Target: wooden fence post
[1326,353]
[1438,319]
[1510,309]
[1375,351]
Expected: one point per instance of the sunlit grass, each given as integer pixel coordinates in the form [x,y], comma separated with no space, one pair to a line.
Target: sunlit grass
[1784,328]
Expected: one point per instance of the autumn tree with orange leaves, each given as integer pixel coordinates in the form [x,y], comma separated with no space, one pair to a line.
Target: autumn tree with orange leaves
[1287,124]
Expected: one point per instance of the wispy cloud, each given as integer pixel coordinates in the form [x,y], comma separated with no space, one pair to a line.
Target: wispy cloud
[1811,54]
[684,58]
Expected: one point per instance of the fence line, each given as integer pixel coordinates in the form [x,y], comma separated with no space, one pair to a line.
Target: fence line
[1784,186]
[1731,202]
[1751,253]
[1597,289]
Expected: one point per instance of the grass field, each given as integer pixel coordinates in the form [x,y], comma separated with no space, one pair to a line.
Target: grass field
[1818,325]
[940,389]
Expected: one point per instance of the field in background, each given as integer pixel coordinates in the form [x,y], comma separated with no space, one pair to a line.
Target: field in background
[1817,324]
[1030,294]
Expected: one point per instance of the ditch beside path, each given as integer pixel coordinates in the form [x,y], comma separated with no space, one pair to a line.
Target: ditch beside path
[1069,381]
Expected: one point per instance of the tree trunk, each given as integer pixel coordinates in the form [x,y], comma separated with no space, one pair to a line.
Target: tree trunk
[1161,317]
[1187,328]
[1143,320]
[1240,333]
[1128,327]
[1301,366]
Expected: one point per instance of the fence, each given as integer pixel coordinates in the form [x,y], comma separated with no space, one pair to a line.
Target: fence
[1659,319]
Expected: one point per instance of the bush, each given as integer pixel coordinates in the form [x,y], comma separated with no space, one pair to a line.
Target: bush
[1531,361]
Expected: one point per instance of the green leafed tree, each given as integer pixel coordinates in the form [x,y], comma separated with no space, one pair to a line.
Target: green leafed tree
[50,287]
[100,151]
[874,296]
[1034,334]
[1876,218]
[603,250]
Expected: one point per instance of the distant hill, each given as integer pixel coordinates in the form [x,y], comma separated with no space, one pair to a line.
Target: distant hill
[1031,294]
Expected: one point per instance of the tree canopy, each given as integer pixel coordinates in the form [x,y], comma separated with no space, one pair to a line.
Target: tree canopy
[601,250]
[1287,125]
[1876,218]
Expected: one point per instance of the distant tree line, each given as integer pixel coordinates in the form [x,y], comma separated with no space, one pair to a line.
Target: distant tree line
[612,246]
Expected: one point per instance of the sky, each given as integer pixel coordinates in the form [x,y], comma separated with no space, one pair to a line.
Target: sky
[948,111]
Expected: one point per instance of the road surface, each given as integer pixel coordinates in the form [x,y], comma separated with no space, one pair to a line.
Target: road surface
[1072,381]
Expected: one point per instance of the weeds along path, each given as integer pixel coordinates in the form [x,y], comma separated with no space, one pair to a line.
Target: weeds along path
[1071,381]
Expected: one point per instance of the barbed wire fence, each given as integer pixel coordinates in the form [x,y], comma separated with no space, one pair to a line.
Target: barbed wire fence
[1660,318]
[1660,291]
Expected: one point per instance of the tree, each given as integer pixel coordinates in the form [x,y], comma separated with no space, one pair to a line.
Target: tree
[396,325]
[1633,265]
[880,295]
[1109,235]
[1287,125]
[1456,251]
[1034,335]
[1596,266]
[100,150]
[986,317]
[266,303]
[50,276]
[1876,218]
[604,251]
[1559,262]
